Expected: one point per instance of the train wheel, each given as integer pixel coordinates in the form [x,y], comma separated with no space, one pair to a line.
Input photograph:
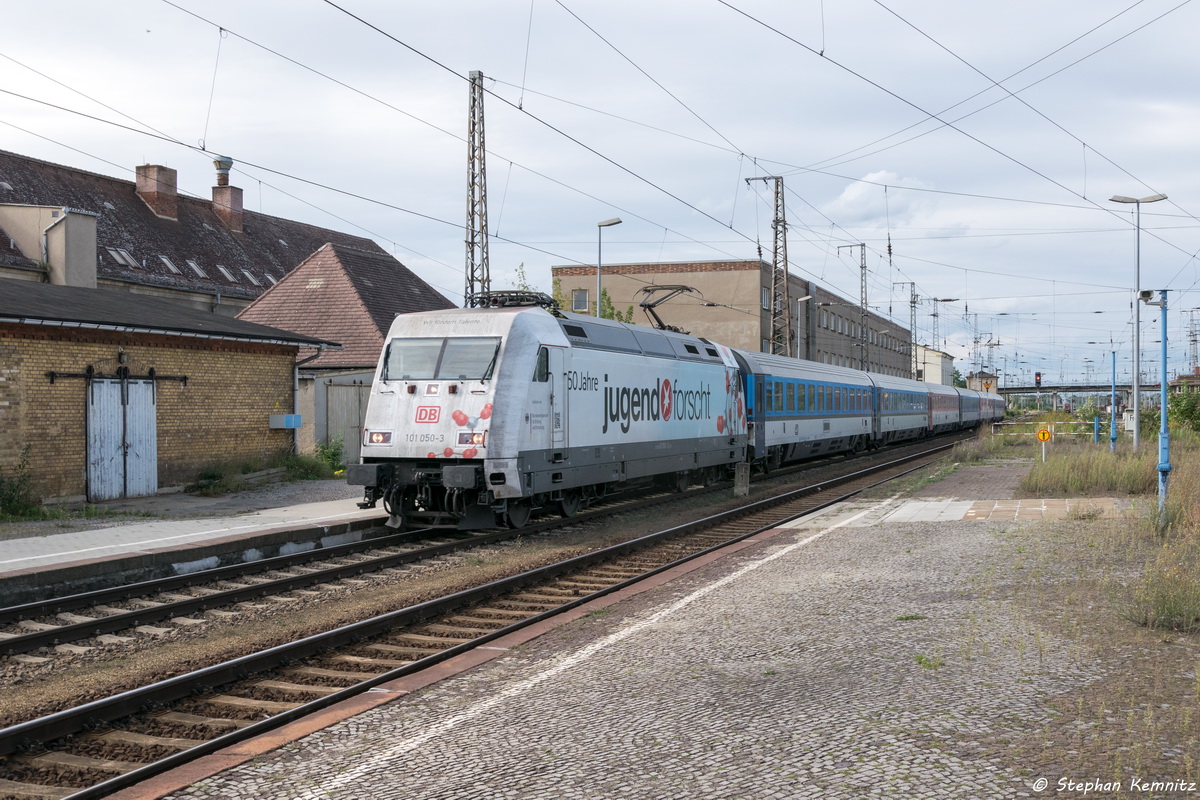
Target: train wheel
[681,481]
[518,514]
[570,502]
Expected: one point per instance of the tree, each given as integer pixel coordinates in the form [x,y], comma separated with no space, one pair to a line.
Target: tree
[608,311]
[959,380]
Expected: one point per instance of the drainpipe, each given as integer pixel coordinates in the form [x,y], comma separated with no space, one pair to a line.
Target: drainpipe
[296,393]
[46,241]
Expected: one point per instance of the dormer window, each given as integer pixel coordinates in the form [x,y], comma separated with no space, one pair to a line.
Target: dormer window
[170,265]
[228,275]
[271,278]
[196,269]
[252,279]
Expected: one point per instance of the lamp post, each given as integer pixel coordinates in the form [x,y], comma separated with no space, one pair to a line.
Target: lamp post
[1137,313]
[600,226]
[1164,438]
[1112,408]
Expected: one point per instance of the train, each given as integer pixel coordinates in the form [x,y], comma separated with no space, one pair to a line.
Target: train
[480,417]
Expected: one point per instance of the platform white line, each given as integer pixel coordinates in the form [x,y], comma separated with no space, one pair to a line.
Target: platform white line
[380,761]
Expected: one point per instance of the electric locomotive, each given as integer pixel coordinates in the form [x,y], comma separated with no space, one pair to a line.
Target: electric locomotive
[481,416]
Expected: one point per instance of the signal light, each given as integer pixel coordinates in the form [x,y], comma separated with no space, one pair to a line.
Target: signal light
[1037,379]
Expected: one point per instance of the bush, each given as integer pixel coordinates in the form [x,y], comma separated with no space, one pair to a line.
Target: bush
[307,468]
[16,489]
[333,453]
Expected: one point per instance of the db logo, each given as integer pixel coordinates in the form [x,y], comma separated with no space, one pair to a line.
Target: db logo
[428,413]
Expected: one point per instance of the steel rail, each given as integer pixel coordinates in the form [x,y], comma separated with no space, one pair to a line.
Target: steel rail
[102,711]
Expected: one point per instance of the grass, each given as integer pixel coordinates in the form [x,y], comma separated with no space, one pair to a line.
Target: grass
[929,662]
[225,477]
[1165,592]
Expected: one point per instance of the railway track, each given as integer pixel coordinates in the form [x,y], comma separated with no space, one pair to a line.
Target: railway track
[89,751]
[114,616]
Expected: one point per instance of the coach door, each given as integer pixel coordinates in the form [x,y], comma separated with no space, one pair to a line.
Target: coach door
[558,399]
[122,453]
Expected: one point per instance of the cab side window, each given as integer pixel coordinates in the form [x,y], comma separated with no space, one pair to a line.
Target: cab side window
[541,372]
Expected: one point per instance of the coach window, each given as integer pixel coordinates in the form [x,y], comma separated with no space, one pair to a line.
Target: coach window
[541,373]
[778,396]
[791,397]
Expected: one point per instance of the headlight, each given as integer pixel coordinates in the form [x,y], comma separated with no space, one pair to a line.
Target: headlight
[472,438]
[379,437]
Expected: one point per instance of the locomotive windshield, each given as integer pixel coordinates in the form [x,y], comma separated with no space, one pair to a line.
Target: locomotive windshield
[467,358]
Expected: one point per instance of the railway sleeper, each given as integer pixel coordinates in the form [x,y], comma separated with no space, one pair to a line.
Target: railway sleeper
[32,791]
[440,642]
[57,760]
[367,661]
[250,703]
[395,649]
[146,740]
[501,613]
[297,688]
[478,622]
[330,674]
[213,723]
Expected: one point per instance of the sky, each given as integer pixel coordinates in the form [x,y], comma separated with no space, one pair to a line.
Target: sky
[983,140]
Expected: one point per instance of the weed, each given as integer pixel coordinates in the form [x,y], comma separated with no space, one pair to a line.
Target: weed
[16,489]
[910,617]
[928,662]
[307,468]
[599,613]
[1167,597]
[333,453]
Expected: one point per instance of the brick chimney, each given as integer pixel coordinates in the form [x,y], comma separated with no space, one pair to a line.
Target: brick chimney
[227,200]
[156,186]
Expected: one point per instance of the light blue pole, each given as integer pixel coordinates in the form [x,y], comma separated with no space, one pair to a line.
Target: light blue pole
[1096,430]
[1164,438]
[1112,431]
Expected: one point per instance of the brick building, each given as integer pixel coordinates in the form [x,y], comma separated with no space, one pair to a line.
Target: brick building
[732,305]
[69,227]
[111,394]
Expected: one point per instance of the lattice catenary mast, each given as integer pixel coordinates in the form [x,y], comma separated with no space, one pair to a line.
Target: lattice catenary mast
[781,313]
[478,277]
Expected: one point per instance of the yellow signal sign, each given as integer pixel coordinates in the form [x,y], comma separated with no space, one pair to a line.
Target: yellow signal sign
[1043,435]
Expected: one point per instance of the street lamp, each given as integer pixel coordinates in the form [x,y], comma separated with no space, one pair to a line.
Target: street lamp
[1137,311]
[1164,438]
[600,226]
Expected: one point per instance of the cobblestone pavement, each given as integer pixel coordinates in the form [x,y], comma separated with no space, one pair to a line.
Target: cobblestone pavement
[832,661]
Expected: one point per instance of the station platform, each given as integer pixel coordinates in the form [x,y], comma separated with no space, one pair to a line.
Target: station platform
[174,543]
[774,668]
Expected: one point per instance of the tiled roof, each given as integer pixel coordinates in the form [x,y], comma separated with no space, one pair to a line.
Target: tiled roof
[10,255]
[346,295]
[268,246]
[43,303]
